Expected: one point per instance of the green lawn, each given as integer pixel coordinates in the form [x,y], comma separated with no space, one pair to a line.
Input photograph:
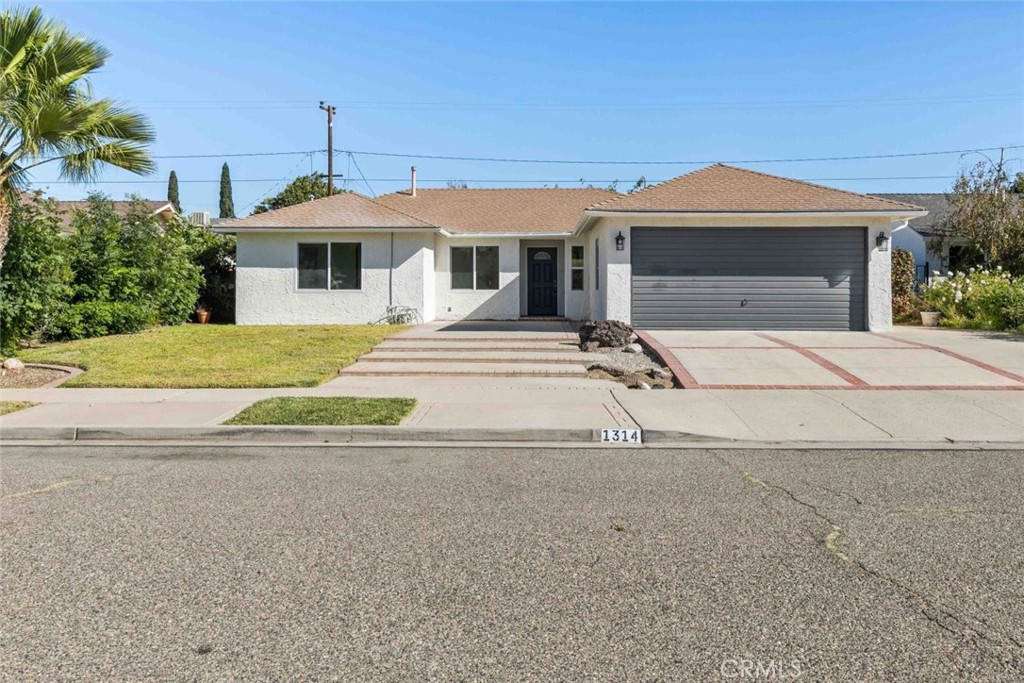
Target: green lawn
[341,410]
[11,406]
[215,355]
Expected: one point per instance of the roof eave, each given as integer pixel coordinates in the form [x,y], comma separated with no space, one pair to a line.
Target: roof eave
[228,229]
[894,212]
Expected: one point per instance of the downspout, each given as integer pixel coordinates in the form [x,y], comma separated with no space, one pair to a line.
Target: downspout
[391,272]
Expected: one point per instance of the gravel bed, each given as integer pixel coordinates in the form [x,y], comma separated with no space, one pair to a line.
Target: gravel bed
[29,378]
[634,362]
[635,365]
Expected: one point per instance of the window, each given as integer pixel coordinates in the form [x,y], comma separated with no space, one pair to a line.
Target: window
[343,261]
[346,265]
[576,267]
[597,264]
[474,267]
[486,267]
[462,267]
[312,266]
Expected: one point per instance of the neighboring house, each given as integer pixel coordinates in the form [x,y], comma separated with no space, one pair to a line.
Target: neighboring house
[719,248]
[66,209]
[923,235]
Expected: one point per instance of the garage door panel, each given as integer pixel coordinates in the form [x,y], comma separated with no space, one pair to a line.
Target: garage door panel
[748,278]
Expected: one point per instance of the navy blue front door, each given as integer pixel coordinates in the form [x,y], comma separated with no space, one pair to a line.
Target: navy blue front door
[542,281]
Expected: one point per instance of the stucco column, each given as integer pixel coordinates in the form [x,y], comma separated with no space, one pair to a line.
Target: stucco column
[879,280]
[618,274]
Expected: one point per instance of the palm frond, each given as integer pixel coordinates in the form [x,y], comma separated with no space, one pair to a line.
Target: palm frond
[47,109]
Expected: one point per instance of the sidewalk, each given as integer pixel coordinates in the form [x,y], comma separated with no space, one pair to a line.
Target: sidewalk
[535,407]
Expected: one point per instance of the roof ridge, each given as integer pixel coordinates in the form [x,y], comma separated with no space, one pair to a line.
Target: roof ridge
[408,193]
[815,185]
[404,213]
[651,187]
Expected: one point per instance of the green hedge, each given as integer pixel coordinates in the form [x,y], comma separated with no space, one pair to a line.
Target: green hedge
[99,318]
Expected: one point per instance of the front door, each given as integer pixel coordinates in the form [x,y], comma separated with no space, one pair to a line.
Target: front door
[542,281]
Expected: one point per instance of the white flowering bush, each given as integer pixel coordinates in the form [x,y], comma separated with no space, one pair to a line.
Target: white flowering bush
[989,299]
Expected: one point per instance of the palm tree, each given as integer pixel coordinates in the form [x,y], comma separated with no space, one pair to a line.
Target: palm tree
[48,113]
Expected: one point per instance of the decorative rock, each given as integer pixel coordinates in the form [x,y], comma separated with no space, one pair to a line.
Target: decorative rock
[659,373]
[590,346]
[633,348]
[610,369]
[611,333]
[13,365]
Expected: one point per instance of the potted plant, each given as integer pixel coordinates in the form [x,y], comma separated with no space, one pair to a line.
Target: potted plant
[940,296]
[203,314]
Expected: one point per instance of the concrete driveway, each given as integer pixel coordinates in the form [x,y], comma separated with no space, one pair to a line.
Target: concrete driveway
[907,358]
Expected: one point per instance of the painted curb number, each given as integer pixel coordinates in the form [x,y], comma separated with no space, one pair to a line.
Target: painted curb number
[621,436]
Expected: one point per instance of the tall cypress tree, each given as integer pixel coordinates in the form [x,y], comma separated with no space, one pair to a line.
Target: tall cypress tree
[227,204]
[172,191]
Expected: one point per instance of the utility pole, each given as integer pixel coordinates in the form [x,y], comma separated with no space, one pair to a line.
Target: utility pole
[331,111]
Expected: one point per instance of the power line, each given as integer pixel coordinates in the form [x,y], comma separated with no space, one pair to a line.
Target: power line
[562,181]
[702,162]
[683,162]
[239,154]
[593,106]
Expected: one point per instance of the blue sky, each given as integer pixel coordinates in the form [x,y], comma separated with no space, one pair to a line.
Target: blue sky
[718,81]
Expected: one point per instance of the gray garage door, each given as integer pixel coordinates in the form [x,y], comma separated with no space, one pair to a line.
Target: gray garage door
[748,279]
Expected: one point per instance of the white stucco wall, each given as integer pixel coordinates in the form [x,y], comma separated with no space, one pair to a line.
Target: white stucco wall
[267,291]
[613,300]
[912,241]
[474,304]
[937,260]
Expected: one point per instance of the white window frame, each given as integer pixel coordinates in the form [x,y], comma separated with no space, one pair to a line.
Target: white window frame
[362,271]
[581,268]
[451,271]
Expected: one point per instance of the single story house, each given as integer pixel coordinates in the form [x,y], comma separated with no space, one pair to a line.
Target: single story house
[66,209]
[718,248]
[924,236]
[163,210]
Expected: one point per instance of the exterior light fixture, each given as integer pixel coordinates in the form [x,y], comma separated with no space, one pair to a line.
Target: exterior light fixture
[620,242]
[882,242]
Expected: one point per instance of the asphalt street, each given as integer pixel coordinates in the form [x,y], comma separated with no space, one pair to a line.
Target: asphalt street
[379,564]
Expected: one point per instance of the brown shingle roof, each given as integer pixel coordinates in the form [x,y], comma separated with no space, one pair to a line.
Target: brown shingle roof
[499,211]
[722,188]
[66,208]
[343,210]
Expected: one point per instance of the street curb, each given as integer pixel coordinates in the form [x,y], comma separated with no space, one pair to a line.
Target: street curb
[327,435]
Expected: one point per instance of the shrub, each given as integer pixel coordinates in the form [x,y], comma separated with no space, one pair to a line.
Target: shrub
[903,272]
[99,318]
[1012,312]
[34,281]
[133,259]
[979,299]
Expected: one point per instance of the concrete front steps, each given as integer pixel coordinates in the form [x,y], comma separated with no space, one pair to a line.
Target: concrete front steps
[396,344]
[478,368]
[446,355]
[429,353]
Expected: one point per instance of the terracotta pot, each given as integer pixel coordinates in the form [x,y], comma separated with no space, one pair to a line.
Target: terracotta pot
[204,317]
[930,318]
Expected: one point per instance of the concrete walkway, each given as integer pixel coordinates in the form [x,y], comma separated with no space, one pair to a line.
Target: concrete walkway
[526,404]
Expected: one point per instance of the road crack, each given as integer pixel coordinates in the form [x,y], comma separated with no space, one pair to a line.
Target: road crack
[973,629]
